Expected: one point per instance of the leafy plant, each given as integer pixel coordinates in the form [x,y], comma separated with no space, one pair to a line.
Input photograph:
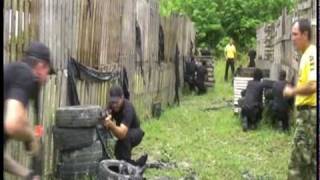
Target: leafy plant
[216,20]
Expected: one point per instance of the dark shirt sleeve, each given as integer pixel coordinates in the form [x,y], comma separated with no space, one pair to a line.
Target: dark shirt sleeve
[22,85]
[18,94]
[267,84]
[127,117]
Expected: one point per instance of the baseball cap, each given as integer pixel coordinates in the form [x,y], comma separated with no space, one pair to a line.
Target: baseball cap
[115,93]
[40,51]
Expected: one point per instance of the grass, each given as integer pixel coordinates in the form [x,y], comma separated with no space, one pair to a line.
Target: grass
[211,144]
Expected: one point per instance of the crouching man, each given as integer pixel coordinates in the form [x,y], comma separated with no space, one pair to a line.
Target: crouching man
[125,126]
[252,106]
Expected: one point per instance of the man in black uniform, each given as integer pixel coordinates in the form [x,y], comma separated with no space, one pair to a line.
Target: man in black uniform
[126,127]
[190,73]
[281,105]
[252,56]
[201,77]
[22,81]
[252,104]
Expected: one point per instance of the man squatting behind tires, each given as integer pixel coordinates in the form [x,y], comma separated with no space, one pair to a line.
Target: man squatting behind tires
[124,124]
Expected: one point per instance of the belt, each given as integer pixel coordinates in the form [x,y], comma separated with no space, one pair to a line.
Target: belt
[305,107]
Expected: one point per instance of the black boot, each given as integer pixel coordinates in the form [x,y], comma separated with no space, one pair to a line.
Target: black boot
[244,123]
[142,160]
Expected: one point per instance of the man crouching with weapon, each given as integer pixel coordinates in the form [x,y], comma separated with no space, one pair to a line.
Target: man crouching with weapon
[125,127]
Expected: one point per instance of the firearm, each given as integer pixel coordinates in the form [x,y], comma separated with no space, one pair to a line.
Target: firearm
[104,134]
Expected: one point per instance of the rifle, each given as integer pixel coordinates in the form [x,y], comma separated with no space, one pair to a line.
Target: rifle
[102,133]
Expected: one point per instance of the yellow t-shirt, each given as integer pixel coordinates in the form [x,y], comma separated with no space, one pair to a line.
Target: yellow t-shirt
[230,51]
[307,73]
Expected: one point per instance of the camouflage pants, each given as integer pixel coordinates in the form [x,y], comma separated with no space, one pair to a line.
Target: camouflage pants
[303,162]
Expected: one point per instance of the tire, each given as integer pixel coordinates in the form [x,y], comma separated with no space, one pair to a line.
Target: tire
[78,116]
[92,153]
[71,139]
[109,170]
[71,170]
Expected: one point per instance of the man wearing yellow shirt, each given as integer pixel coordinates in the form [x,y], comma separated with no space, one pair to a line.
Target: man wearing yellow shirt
[230,54]
[303,161]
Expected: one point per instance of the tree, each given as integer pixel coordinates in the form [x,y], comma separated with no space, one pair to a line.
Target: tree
[218,19]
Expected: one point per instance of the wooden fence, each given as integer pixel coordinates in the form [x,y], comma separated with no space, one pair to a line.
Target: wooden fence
[275,50]
[102,34]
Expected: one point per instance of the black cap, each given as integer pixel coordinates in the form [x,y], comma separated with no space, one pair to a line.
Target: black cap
[115,93]
[40,51]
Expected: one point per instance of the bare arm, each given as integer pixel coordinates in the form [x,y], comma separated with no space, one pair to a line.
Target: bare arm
[119,131]
[13,167]
[307,89]
[16,125]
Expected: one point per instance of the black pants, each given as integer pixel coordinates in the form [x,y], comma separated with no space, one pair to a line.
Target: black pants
[229,63]
[202,89]
[252,114]
[191,83]
[282,116]
[124,147]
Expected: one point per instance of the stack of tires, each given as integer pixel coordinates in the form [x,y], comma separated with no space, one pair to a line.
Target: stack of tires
[76,139]
[210,68]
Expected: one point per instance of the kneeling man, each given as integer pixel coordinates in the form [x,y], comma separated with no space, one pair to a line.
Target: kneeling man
[124,124]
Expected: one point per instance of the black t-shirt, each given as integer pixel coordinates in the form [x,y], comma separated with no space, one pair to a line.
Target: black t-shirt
[254,91]
[279,102]
[127,116]
[201,73]
[19,84]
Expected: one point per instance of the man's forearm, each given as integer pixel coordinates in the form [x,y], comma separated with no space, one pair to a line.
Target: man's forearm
[23,134]
[11,166]
[116,131]
[306,89]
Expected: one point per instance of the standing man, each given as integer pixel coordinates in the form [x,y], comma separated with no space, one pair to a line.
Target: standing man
[21,83]
[280,105]
[201,77]
[252,56]
[126,127]
[230,54]
[190,73]
[303,162]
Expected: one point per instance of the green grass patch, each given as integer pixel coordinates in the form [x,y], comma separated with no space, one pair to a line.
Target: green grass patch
[211,144]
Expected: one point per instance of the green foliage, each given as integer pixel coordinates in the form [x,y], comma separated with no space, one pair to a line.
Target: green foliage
[218,19]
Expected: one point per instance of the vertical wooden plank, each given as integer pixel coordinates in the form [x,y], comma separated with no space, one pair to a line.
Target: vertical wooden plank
[6,32]
[20,36]
[76,13]
[26,23]
[13,40]
[81,37]
[59,59]
[68,28]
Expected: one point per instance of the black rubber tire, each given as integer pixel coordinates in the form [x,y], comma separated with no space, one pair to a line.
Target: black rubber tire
[71,139]
[105,171]
[92,153]
[78,116]
[71,170]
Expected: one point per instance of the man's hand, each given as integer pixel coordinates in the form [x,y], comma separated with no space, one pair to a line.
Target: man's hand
[288,91]
[33,147]
[108,122]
